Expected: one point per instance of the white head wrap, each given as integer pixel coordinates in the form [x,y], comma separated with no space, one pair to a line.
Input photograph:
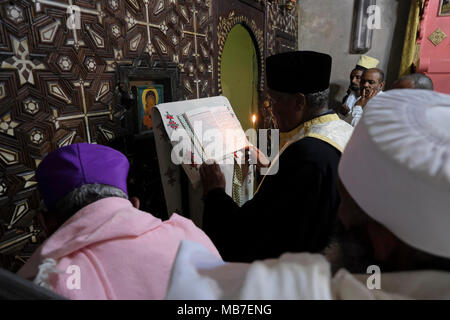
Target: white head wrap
[396,166]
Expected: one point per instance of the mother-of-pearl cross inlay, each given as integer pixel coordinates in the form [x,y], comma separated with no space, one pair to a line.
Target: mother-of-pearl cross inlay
[82,84]
[71,9]
[131,22]
[21,61]
[195,34]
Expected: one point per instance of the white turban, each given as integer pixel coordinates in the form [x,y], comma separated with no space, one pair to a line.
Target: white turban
[396,167]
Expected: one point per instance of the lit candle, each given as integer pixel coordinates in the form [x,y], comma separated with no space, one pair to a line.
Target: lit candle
[254,120]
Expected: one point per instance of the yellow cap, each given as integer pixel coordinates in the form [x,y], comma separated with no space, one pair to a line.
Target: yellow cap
[368,62]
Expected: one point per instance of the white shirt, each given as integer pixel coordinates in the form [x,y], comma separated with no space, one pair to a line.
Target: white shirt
[356,113]
[197,274]
[351,100]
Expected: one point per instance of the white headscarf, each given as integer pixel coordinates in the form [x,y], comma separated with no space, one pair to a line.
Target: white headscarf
[396,166]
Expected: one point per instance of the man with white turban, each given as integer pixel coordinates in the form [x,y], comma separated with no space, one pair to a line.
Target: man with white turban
[395,201]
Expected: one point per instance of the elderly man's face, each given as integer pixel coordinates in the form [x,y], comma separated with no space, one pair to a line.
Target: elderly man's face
[355,79]
[286,109]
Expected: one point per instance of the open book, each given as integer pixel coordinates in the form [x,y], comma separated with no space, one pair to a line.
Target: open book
[215,132]
[208,129]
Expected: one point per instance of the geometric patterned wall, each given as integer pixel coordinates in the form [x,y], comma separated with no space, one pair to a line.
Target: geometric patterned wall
[57,83]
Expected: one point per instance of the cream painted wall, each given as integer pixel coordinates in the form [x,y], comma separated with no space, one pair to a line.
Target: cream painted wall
[326,26]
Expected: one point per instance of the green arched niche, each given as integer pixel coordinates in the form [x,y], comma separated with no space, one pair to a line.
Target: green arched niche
[239,74]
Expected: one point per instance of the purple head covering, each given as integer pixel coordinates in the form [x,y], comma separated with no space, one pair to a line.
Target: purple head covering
[70,167]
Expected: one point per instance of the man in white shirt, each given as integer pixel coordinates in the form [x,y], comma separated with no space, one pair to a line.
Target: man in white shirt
[372,84]
[354,92]
[394,186]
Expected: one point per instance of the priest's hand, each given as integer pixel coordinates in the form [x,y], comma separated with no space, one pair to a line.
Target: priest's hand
[252,153]
[212,177]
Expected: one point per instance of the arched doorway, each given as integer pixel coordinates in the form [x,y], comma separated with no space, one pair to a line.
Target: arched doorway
[239,74]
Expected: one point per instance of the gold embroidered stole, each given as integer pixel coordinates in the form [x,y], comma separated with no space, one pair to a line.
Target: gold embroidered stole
[328,128]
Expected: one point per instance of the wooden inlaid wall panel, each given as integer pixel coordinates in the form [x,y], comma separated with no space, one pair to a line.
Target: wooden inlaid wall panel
[58,79]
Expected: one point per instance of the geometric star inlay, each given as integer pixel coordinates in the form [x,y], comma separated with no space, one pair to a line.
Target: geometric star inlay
[2,90]
[14,13]
[9,157]
[131,22]
[37,136]
[102,91]
[31,105]
[21,61]
[108,134]
[113,4]
[98,40]
[196,35]
[67,140]
[134,43]
[48,32]
[28,178]
[56,90]
[7,125]
[3,188]
[85,115]
[65,63]
[20,210]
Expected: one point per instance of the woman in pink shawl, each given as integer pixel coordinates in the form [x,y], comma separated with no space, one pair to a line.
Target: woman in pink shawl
[101,245]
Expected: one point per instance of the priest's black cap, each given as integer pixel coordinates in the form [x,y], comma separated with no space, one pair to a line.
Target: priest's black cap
[299,72]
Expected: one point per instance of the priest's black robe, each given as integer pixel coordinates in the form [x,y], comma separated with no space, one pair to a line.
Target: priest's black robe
[295,210]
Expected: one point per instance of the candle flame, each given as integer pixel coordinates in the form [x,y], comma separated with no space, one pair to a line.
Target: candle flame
[254,118]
